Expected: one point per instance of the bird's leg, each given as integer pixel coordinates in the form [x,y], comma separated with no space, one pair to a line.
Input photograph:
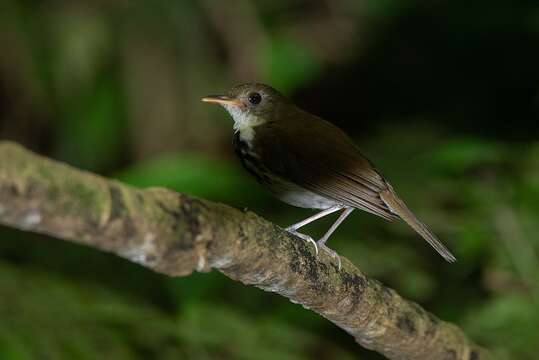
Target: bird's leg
[292,228]
[333,227]
[316,216]
[322,241]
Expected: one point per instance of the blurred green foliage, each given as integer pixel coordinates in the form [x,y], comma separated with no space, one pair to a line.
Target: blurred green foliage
[443,96]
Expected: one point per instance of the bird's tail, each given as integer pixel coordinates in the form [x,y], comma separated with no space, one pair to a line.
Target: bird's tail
[398,206]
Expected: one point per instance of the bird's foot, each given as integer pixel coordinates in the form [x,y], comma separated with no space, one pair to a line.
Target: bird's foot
[317,245]
[304,237]
[332,253]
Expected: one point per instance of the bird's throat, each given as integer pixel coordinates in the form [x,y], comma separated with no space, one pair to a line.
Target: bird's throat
[246,133]
[246,125]
[243,123]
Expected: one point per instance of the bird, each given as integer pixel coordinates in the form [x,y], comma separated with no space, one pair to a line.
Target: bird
[308,162]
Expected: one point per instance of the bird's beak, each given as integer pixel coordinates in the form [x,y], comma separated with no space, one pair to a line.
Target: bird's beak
[222,100]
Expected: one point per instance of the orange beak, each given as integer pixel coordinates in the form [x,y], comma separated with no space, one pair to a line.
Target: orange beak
[222,99]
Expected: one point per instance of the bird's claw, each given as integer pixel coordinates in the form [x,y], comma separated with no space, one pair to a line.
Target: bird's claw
[333,254]
[306,238]
[317,245]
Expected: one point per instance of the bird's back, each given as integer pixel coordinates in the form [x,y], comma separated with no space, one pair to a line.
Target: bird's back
[316,155]
[319,157]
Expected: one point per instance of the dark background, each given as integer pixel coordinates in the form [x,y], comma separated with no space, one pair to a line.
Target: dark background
[442,95]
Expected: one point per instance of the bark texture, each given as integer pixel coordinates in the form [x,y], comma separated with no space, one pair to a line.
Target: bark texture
[176,234]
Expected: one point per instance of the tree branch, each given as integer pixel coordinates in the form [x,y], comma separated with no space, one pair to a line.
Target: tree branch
[176,234]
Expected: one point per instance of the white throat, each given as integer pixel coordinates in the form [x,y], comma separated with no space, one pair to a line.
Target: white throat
[244,122]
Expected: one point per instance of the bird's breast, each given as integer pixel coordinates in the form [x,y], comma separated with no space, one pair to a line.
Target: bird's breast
[283,189]
[250,159]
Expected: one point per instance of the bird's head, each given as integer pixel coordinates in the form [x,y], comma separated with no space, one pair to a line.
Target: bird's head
[251,104]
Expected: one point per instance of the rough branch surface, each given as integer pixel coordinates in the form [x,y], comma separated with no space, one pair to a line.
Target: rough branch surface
[176,234]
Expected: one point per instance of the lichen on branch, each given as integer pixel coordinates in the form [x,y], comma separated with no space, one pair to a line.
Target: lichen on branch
[176,234]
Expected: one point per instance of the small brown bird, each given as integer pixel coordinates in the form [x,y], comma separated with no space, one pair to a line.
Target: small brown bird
[308,162]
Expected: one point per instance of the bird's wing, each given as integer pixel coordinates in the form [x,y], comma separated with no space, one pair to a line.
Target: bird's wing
[319,157]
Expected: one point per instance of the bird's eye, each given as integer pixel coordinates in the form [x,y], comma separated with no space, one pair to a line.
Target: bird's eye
[254,98]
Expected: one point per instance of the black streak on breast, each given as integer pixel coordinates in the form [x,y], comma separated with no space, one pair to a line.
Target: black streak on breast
[249,160]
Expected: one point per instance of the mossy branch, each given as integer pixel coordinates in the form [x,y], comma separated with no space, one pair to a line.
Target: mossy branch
[176,234]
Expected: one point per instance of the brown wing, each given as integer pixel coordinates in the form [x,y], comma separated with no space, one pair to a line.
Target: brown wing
[318,156]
